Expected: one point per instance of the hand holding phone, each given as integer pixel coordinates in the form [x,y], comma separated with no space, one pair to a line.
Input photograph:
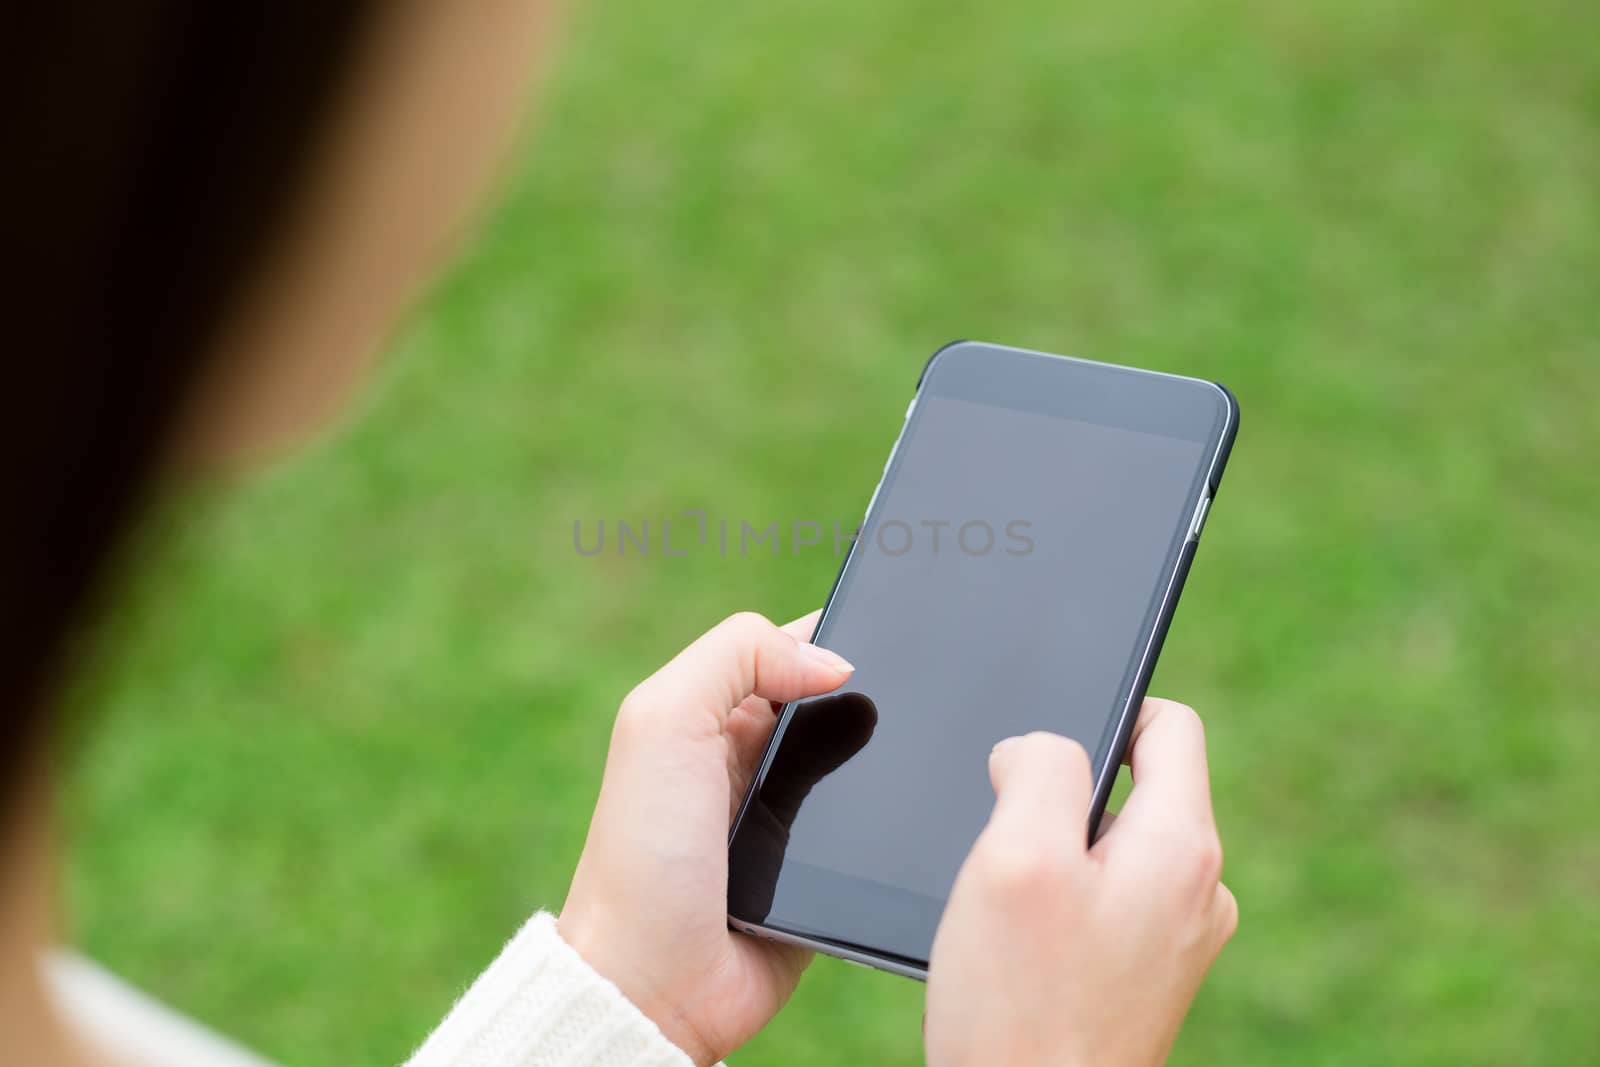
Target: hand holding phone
[1044,938]
[1052,951]
[647,907]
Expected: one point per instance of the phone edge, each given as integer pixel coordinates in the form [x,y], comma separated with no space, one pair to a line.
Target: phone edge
[1107,779]
[827,948]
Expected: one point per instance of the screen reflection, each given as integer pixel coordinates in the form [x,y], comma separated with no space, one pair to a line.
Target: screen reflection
[822,734]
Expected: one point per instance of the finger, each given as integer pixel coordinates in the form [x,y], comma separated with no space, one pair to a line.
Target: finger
[785,963]
[1171,784]
[751,722]
[802,628]
[742,656]
[1148,708]
[1224,915]
[1043,785]
[760,712]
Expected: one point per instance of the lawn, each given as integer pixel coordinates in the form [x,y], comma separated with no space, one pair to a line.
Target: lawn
[350,722]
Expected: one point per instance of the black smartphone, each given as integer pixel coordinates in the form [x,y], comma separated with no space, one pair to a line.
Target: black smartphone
[1016,570]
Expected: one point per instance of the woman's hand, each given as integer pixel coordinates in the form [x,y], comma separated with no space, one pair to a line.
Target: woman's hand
[648,904]
[1052,952]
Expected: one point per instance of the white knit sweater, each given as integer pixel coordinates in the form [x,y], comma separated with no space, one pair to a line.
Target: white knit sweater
[540,1005]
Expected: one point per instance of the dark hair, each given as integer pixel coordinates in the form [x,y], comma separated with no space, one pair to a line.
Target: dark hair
[155,147]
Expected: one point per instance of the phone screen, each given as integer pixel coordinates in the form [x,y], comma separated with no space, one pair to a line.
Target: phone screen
[1006,580]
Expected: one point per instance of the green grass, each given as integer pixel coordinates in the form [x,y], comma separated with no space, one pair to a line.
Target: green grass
[353,722]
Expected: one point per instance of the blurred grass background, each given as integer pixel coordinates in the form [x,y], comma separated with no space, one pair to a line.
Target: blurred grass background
[353,716]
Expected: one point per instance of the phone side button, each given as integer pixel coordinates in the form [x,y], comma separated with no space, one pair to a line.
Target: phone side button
[1200,517]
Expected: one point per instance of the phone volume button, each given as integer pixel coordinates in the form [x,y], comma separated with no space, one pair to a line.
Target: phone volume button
[1199,520]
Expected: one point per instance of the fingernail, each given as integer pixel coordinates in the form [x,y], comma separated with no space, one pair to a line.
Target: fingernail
[1001,746]
[831,660]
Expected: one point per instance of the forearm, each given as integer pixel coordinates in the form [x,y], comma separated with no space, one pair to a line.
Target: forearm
[540,1005]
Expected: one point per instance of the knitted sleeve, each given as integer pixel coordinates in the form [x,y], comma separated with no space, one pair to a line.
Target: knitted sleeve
[540,1005]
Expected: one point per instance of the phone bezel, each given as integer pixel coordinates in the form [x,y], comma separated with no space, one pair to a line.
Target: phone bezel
[1154,635]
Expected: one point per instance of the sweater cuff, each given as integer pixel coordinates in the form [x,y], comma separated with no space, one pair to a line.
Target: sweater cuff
[540,1005]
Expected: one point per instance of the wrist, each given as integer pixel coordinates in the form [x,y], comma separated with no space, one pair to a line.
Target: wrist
[598,947]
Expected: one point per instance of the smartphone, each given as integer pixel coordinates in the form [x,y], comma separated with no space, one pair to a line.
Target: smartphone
[1016,570]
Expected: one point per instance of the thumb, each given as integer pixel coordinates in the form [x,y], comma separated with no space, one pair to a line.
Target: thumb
[1042,782]
[744,655]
